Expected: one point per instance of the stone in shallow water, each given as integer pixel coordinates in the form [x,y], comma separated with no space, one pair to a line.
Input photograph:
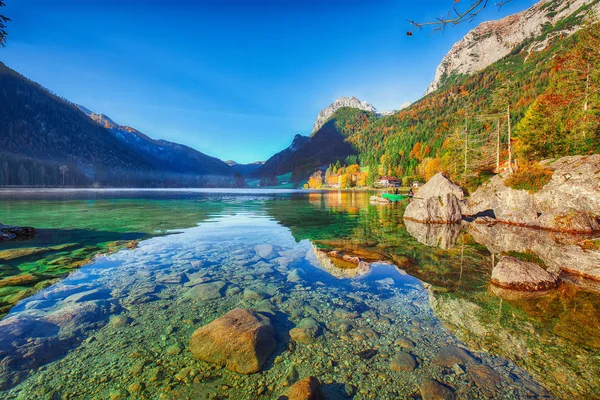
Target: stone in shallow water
[402,361]
[404,343]
[265,251]
[205,291]
[512,273]
[448,356]
[88,295]
[240,340]
[174,279]
[434,390]
[119,321]
[295,275]
[484,377]
[78,318]
[254,295]
[305,389]
[306,331]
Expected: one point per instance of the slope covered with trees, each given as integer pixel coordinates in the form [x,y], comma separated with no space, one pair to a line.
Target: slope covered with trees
[546,101]
[48,141]
[325,146]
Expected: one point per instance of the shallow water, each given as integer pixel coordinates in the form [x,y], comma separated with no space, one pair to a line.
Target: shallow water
[120,326]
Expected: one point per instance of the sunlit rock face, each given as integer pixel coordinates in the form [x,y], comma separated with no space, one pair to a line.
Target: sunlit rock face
[559,252]
[543,334]
[493,40]
[340,102]
[437,202]
[570,202]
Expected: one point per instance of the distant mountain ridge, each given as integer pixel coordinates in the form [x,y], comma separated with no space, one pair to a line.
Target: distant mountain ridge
[493,40]
[47,141]
[244,169]
[168,156]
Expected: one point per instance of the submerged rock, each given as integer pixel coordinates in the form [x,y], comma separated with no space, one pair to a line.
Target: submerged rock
[402,361]
[448,356]
[437,202]
[512,273]
[265,251]
[206,291]
[305,389]
[306,331]
[8,232]
[434,390]
[240,340]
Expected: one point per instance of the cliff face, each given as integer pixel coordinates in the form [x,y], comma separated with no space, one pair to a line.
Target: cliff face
[351,102]
[493,40]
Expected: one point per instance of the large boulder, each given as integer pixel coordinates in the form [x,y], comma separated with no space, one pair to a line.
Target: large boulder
[561,252]
[439,186]
[240,340]
[512,273]
[569,202]
[437,202]
[8,232]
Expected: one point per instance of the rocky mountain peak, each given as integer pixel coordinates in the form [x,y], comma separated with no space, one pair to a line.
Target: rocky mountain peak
[340,102]
[493,40]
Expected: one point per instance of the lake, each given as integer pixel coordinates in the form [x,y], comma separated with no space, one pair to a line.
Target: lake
[115,283]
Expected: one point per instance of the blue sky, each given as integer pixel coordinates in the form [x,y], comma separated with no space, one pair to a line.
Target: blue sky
[236,79]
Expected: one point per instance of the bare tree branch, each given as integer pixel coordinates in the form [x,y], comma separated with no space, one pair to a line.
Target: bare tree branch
[3,21]
[456,16]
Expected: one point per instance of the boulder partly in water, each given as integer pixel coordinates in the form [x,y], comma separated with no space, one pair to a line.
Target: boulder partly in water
[437,202]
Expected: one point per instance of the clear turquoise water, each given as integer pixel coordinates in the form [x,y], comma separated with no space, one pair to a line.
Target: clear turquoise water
[120,326]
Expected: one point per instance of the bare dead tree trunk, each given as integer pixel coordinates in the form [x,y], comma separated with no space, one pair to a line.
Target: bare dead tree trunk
[510,167]
[587,87]
[498,148]
[466,142]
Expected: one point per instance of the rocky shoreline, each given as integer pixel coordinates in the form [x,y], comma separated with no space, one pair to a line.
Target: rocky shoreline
[553,229]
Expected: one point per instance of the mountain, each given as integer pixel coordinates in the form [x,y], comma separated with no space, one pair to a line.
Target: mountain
[244,169]
[551,97]
[40,132]
[168,156]
[340,102]
[327,145]
[494,40]
[47,141]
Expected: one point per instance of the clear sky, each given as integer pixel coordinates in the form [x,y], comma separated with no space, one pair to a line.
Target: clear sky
[236,79]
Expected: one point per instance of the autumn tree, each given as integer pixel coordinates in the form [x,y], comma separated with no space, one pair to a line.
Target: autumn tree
[565,119]
[316,180]
[372,174]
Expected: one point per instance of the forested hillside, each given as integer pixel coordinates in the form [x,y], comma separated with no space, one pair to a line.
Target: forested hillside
[326,145]
[547,100]
[48,141]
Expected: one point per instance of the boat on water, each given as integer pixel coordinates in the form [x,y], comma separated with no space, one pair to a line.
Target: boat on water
[393,197]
